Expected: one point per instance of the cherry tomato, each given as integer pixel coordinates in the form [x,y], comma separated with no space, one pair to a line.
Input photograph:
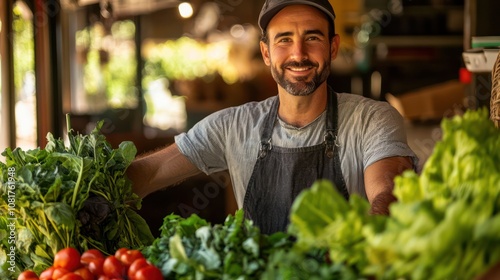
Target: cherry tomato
[103,277]
[27,275]
[127,257]
[136,266]
[113,267]
[89,255]
[149,272]
[59,272]
[85,273]
[68,258]
[120,252]
[71,276]
[47,274]
[96,266]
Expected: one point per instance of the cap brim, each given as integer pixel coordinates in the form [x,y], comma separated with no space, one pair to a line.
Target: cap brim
[266,18]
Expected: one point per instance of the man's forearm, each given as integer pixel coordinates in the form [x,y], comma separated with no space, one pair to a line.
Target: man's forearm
[160,169]
[379,182]
[380,204]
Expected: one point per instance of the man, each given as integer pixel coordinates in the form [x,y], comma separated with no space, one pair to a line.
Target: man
[276,148]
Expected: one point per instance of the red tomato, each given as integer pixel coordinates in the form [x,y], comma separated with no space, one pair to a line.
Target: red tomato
[136,266]
[47,274]
[113,267]
[127,257]
[89,255]
[59,272]
[96,266]
[27,275]
[103,277]
[85,273]
[120,252]
[149,272]
[71,276]
[68,258]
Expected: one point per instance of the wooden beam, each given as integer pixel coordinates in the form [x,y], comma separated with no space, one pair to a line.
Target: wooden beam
[7,119]
[46,69]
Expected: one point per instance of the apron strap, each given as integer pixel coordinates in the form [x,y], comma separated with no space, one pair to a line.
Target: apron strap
[267,129]
[331,124]
[330,138]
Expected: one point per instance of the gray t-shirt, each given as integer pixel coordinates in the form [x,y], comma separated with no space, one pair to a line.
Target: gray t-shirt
[229,139]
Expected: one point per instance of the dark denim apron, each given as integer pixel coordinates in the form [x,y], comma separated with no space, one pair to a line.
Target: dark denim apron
[280,174]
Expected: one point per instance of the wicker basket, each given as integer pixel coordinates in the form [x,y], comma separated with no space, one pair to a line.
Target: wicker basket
[495,93]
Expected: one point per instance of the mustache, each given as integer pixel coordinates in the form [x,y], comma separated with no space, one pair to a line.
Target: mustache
[304,63]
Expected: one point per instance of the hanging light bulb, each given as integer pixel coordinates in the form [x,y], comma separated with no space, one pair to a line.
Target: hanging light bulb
[185,10]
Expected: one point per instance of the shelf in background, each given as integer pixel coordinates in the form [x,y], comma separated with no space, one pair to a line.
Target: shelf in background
[419,41]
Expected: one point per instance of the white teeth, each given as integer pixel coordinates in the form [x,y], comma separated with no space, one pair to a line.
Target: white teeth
[299,69]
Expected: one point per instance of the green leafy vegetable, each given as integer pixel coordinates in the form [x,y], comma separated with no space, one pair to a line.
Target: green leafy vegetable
[295,264]
[61,196]
[445,224]
[322,218]
[191,248]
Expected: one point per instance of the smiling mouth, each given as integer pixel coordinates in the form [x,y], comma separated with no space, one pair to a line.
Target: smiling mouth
[299,69]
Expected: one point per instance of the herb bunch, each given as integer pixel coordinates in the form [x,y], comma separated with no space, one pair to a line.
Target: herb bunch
[67,196]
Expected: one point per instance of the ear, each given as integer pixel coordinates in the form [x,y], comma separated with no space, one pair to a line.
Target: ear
[264,49]
[334,46]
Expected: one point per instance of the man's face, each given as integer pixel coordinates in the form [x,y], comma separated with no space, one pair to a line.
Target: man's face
[299,51]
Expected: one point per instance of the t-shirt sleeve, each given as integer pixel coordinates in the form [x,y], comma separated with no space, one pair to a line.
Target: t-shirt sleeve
[385,135]
[204,143]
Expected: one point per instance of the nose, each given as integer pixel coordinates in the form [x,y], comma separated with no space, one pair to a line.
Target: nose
[299,51]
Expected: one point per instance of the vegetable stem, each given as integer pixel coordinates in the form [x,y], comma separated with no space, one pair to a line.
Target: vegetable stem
[61,237]
[77,185]
[68,123]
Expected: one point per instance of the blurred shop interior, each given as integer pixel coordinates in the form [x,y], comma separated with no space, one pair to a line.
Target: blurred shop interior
[151,69]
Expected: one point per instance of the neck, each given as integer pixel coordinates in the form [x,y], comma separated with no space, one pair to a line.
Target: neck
[302,110]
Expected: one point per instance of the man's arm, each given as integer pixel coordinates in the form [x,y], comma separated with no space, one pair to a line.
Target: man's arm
[379,182]
[160,169]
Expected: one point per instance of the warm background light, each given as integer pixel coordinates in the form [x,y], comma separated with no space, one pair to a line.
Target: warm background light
[185,10]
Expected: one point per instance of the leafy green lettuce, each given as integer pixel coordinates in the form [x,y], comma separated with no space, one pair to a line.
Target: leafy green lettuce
[444,225]
[444,222]
[322,218]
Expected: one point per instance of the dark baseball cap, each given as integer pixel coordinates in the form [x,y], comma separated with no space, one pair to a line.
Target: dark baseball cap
[272,7]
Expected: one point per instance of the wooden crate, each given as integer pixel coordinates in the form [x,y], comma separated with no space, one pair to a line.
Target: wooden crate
[430,103]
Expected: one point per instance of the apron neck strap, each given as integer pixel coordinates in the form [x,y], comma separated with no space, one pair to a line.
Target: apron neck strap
[267,129]
[331,124]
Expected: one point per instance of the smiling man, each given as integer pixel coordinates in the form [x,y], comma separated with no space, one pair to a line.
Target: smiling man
[278,147]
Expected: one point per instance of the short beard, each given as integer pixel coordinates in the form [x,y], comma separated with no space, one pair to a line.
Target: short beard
[300,87]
